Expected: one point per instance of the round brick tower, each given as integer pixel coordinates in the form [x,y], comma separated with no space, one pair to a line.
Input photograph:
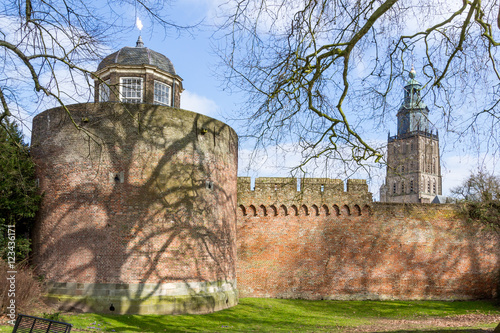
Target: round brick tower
[138,214]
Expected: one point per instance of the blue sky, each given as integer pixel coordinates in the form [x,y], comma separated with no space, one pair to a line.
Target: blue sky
[194,60]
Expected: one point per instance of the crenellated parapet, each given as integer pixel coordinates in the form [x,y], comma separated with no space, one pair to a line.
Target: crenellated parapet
[276,196]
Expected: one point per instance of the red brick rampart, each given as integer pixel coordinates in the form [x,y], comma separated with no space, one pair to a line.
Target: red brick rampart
[140,195]
[363,250]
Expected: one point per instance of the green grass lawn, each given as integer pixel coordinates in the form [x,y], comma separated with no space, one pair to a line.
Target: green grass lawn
[278,315]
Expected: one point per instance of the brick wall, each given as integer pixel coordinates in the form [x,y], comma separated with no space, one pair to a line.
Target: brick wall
[146,195]
[347,249]
[140,194]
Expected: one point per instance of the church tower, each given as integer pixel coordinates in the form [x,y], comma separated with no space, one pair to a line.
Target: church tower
[413,165]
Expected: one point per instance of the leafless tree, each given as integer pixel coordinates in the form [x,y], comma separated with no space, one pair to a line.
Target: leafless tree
[322,74]
[479,196]
[47,46]
[479,187]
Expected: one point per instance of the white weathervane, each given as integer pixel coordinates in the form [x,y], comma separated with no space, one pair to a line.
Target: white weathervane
[139,26]
[138,23]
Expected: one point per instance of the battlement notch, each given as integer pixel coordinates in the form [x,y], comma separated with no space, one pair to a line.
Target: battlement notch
[357,186]
[317,191]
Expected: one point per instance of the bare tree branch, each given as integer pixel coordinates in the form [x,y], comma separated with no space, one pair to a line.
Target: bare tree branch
[323,71]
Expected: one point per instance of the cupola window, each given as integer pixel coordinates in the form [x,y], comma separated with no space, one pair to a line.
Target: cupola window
[131,90]
[104,91]
[161,93]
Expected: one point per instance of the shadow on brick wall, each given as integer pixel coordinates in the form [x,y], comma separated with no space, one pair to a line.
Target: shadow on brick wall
[389,251]
[138,211]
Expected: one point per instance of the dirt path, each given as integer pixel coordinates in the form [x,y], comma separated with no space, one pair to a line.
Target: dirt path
[431,324]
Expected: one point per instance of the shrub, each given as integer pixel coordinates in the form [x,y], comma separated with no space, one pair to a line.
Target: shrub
[27,289]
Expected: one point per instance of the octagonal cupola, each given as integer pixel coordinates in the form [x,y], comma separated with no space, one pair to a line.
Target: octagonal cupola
[137,75]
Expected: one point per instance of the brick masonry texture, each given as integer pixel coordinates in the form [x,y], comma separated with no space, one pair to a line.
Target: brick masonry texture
[143,209]
[307,244]
[141,194]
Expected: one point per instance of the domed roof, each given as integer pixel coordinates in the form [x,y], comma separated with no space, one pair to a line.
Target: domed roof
[138,55]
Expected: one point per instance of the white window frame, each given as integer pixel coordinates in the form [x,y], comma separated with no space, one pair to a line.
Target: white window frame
[135,94]
[165,90]
[104,91]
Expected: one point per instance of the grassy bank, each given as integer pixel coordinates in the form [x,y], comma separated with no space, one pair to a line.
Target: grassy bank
[277,315]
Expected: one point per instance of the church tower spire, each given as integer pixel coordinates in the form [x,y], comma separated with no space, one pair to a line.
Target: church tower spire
[413,113]
[413,163]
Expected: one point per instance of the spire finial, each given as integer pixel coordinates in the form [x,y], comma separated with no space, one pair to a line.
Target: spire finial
[139,43]
[413,72]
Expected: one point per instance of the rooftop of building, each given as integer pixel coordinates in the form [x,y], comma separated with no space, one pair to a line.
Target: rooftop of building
[138,55]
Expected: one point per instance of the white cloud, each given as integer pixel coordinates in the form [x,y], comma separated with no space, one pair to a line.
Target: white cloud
[456,168]
[199,104]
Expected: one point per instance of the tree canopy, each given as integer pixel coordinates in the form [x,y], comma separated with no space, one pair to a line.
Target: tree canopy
[480,186]
[320,76]
[48,51]
[324,74]
[480,196]
[19,197]
[47,46]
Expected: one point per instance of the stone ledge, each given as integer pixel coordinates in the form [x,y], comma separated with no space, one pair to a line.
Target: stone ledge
[149,298]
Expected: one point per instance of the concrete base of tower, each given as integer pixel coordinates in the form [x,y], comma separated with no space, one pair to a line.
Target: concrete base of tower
[146,298]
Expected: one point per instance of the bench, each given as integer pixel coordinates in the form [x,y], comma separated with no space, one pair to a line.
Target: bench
[25,323]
